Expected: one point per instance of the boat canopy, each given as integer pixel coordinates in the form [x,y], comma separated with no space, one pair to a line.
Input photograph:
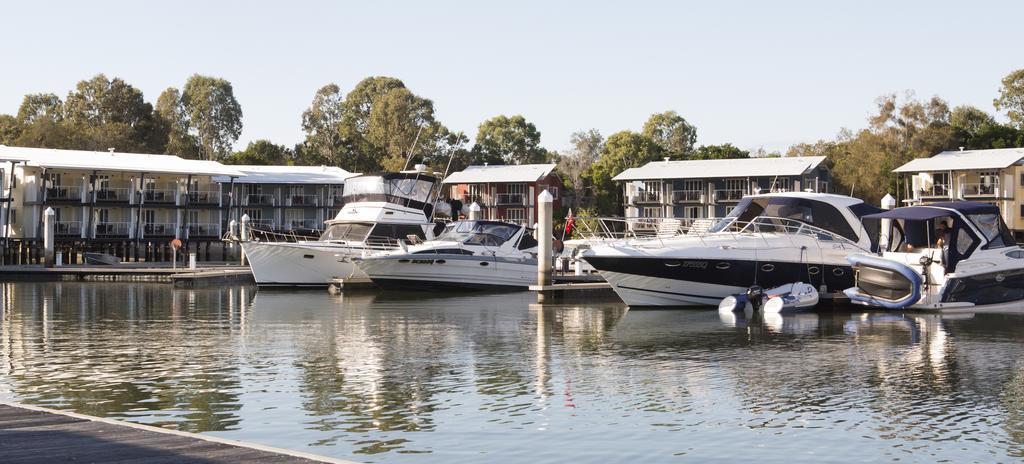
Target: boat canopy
[936,210]
[815,212]
[413,190]
[487,233]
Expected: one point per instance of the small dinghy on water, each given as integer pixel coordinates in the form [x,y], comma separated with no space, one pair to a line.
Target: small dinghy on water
[794,296]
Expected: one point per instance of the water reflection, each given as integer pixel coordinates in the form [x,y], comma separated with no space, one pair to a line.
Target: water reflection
[460,377]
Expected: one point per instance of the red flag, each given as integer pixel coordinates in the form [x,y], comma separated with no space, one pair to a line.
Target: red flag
[570,224]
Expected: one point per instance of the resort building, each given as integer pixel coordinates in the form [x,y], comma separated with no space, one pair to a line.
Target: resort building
[991,176]
[110,196]
[285,198]
[694,189]
[505,192]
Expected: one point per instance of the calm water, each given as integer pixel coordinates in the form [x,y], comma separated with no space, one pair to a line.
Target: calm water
[475,377]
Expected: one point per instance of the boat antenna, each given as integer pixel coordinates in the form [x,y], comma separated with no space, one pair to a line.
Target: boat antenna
[412,149]
[451,154]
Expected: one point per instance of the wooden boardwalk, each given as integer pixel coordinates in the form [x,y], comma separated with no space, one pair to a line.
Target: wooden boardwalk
[31,435]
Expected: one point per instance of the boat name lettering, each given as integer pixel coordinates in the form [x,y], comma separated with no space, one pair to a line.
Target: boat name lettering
[696,264]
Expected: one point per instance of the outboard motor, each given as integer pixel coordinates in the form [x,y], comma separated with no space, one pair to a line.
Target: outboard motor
[742,301]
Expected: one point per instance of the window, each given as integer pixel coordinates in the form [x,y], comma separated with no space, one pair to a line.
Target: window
[652,212]
[691,212]
[295,219]
[1022,180]
[148,216]
[735,184]
[517,215]
[193,217]
[102,216]
[781,184]
[102,183]
[519,189]
[553,191]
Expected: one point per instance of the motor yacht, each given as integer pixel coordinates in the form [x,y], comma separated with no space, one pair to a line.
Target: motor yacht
[467,254]
[768,240]
[377,211]
[943,257]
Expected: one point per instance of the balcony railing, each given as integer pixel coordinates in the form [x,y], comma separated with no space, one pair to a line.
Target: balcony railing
[254,199]
[687,196]
[69,228]
[261,224]
[203,197]
[936,191]
[159,229]
[64,192]
[729,194]
[647,197]
[300,200]
[511,199]
[203,229]
[113,229]
[483,200]
[981,190]
[302,224]
[113,194]
[159,195]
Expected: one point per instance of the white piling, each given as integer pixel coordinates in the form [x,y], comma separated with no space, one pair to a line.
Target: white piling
[545,209]
[49,227]
[888,202]
[243,236]
[475,212]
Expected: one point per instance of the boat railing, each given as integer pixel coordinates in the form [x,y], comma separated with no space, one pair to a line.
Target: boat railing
[622,228]
[761,227]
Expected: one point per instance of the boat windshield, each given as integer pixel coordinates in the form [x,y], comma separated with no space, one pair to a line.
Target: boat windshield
[390,188]
[813,212]
[997,235]
[479,232]
[347,231]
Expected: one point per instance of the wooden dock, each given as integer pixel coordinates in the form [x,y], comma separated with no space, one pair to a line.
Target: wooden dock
[128,272]
[31,435]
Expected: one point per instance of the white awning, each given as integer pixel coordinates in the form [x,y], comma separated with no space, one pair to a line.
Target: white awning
[725,168]
[500,173]
[999,158]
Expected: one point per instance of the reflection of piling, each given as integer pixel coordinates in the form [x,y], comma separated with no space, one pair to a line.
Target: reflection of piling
[545,208]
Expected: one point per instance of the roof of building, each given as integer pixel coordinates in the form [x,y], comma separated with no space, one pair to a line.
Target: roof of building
[500,173]
[957,160]
[289,175]
[722,168]
[113,161]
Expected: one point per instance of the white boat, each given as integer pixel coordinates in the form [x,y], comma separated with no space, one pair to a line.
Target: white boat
[467,254]
[768,240]
[946,257]
[378,210]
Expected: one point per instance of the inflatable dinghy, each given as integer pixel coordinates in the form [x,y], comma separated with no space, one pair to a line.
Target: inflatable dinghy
[883,283]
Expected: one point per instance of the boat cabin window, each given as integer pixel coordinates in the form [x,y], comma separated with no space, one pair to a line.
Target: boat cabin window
[816,213]
[911,235]
[479,233]
[410,191]
[350,231]
[994,229]
[397,231]
[527,241]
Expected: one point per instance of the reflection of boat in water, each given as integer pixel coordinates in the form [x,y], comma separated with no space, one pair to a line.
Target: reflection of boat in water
[767,240]
[471,254]
[378,211]
[945,257]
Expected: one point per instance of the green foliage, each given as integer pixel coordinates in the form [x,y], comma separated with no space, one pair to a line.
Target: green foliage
[10,129]
[263,153]
[38,106]
[672,133]
[1011,98]
[321,121]
[213,115]
[622,150]
[585,150]
[171,116]
[508,140]
[724,151]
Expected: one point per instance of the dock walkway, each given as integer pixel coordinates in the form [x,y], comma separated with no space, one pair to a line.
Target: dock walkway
[30,435]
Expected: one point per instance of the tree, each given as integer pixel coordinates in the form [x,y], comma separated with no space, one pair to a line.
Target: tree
[586,148]
[724,151]
[968,120]
[214,116]
[622,150]
[825,148]
[322,123]
[1011,98]
[508,140]
[171,116]
[261,153]
[38,106]
[106,113]
[401,125]
[10,129]
[672,133]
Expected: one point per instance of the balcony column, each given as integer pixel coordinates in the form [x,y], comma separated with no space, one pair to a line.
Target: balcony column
[138,211]
[188,201]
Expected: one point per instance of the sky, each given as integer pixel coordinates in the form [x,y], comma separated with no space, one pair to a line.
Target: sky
[755,74]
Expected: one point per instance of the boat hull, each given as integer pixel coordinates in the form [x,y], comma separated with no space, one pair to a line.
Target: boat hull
[412,271]
[307,264]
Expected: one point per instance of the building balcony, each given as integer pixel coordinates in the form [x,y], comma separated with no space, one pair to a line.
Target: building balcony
[300,200]
[989,190]
[937,192]
[164,196]
[113,195]
[159,229]
[687,196]
[729,195]
[297,224]
[261,199]
[645,197]
[203,229]
[261,224]
[204,197]
[68,229]
[113,229]
[483,200]
[64,193]
[511,199]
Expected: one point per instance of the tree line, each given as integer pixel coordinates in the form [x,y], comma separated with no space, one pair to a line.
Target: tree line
[381,125]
